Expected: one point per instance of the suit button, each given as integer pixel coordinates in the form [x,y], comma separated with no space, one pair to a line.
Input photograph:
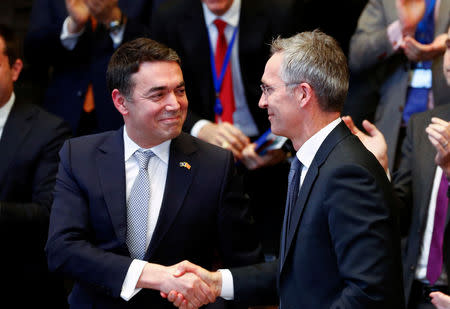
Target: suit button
[79,93]
[400,109]
[411,268]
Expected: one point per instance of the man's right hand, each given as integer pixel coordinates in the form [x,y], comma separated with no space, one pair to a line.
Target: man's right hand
[410,12]
[212,279]
[78,13]
[225,135]
[195,291]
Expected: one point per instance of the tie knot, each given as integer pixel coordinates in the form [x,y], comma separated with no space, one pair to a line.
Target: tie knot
[296,164]
[143,157]
[220,24]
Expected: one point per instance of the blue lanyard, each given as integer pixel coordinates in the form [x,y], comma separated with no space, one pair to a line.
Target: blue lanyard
[218,80]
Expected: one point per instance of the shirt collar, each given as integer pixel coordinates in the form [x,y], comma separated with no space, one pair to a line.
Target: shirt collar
[231,17]
[130,147]
[308,151]
[6,109]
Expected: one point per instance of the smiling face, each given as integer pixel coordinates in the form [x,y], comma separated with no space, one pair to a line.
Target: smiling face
[157,108]
[447,58]
[218,7]
[282,107]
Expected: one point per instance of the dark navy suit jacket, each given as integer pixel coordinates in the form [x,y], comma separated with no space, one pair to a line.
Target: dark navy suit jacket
[343,250]
[72,71]
[203,213]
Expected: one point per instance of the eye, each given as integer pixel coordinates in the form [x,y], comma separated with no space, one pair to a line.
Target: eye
[180,91]
[157,96]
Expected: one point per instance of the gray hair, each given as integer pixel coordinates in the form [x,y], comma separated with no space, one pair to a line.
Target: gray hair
[317,59]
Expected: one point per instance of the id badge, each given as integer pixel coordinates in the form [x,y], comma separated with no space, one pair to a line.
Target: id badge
[421,78]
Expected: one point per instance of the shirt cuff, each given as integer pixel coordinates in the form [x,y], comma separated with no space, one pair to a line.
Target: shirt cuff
[117,36]
[394,33]
[227,291]
[198,126]
[69,40]
[129,284]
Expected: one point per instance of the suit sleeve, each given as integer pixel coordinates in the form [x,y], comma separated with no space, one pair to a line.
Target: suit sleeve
[256,284]
[370,44]
[364,235]
[71,245]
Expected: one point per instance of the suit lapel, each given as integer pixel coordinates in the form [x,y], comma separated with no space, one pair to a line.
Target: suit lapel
[327,146]
[17,127]
[111,173]
[179,179]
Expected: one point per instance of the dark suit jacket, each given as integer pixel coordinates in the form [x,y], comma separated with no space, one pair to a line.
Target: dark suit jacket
[343,250]
[180,24]
[413,185]
[72,71]
[28,164]
[203,210]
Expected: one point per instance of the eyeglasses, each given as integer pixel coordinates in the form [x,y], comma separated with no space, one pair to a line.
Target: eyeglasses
[268,90]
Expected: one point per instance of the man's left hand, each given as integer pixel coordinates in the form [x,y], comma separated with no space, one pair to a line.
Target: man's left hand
[439,135]
[252,160]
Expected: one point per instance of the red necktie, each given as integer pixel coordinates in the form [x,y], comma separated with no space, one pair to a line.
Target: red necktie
[435,259]
[226,91]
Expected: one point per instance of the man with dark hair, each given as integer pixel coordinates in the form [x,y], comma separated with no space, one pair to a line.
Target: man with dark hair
[30,139]
[148,196]
[340,246]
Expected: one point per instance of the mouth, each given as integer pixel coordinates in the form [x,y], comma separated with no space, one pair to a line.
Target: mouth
[171,119]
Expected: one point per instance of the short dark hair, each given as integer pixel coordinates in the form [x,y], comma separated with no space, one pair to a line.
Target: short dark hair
[12,44]
[127,59]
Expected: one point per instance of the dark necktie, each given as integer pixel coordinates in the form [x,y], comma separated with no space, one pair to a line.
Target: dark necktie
[435,260]
[226,94]
[293,188]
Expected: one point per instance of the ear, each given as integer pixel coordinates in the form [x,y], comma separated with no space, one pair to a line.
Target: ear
[303,92]
[119,102]
[16,68]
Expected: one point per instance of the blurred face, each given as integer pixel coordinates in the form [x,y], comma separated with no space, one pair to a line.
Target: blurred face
[282,107]
[218,7]
[157,109]
[8,74]
[447,58]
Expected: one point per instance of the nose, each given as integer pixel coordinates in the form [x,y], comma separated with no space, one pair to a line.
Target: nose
[262,101]
[172,103]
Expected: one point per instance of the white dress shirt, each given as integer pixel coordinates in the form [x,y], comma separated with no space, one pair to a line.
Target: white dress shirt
[157,170]
[4,112]
[242,118]
[422,264]
[305,155]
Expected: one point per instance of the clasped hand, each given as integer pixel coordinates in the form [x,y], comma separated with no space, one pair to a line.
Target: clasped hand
[192,286]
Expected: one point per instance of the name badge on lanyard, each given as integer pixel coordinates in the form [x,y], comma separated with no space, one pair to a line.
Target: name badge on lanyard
[421,78]
[218,80]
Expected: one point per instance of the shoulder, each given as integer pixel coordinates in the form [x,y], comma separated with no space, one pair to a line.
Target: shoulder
[203,149]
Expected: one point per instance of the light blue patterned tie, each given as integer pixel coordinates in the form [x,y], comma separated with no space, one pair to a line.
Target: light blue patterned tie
[138,204]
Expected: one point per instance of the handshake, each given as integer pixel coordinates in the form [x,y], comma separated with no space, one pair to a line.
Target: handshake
[186,285]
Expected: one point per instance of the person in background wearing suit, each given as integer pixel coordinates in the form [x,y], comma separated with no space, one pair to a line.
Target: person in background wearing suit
[202,30]
[421,184]
[340,245]
[149,196]
[400,44]
[30,139]
[73,41]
